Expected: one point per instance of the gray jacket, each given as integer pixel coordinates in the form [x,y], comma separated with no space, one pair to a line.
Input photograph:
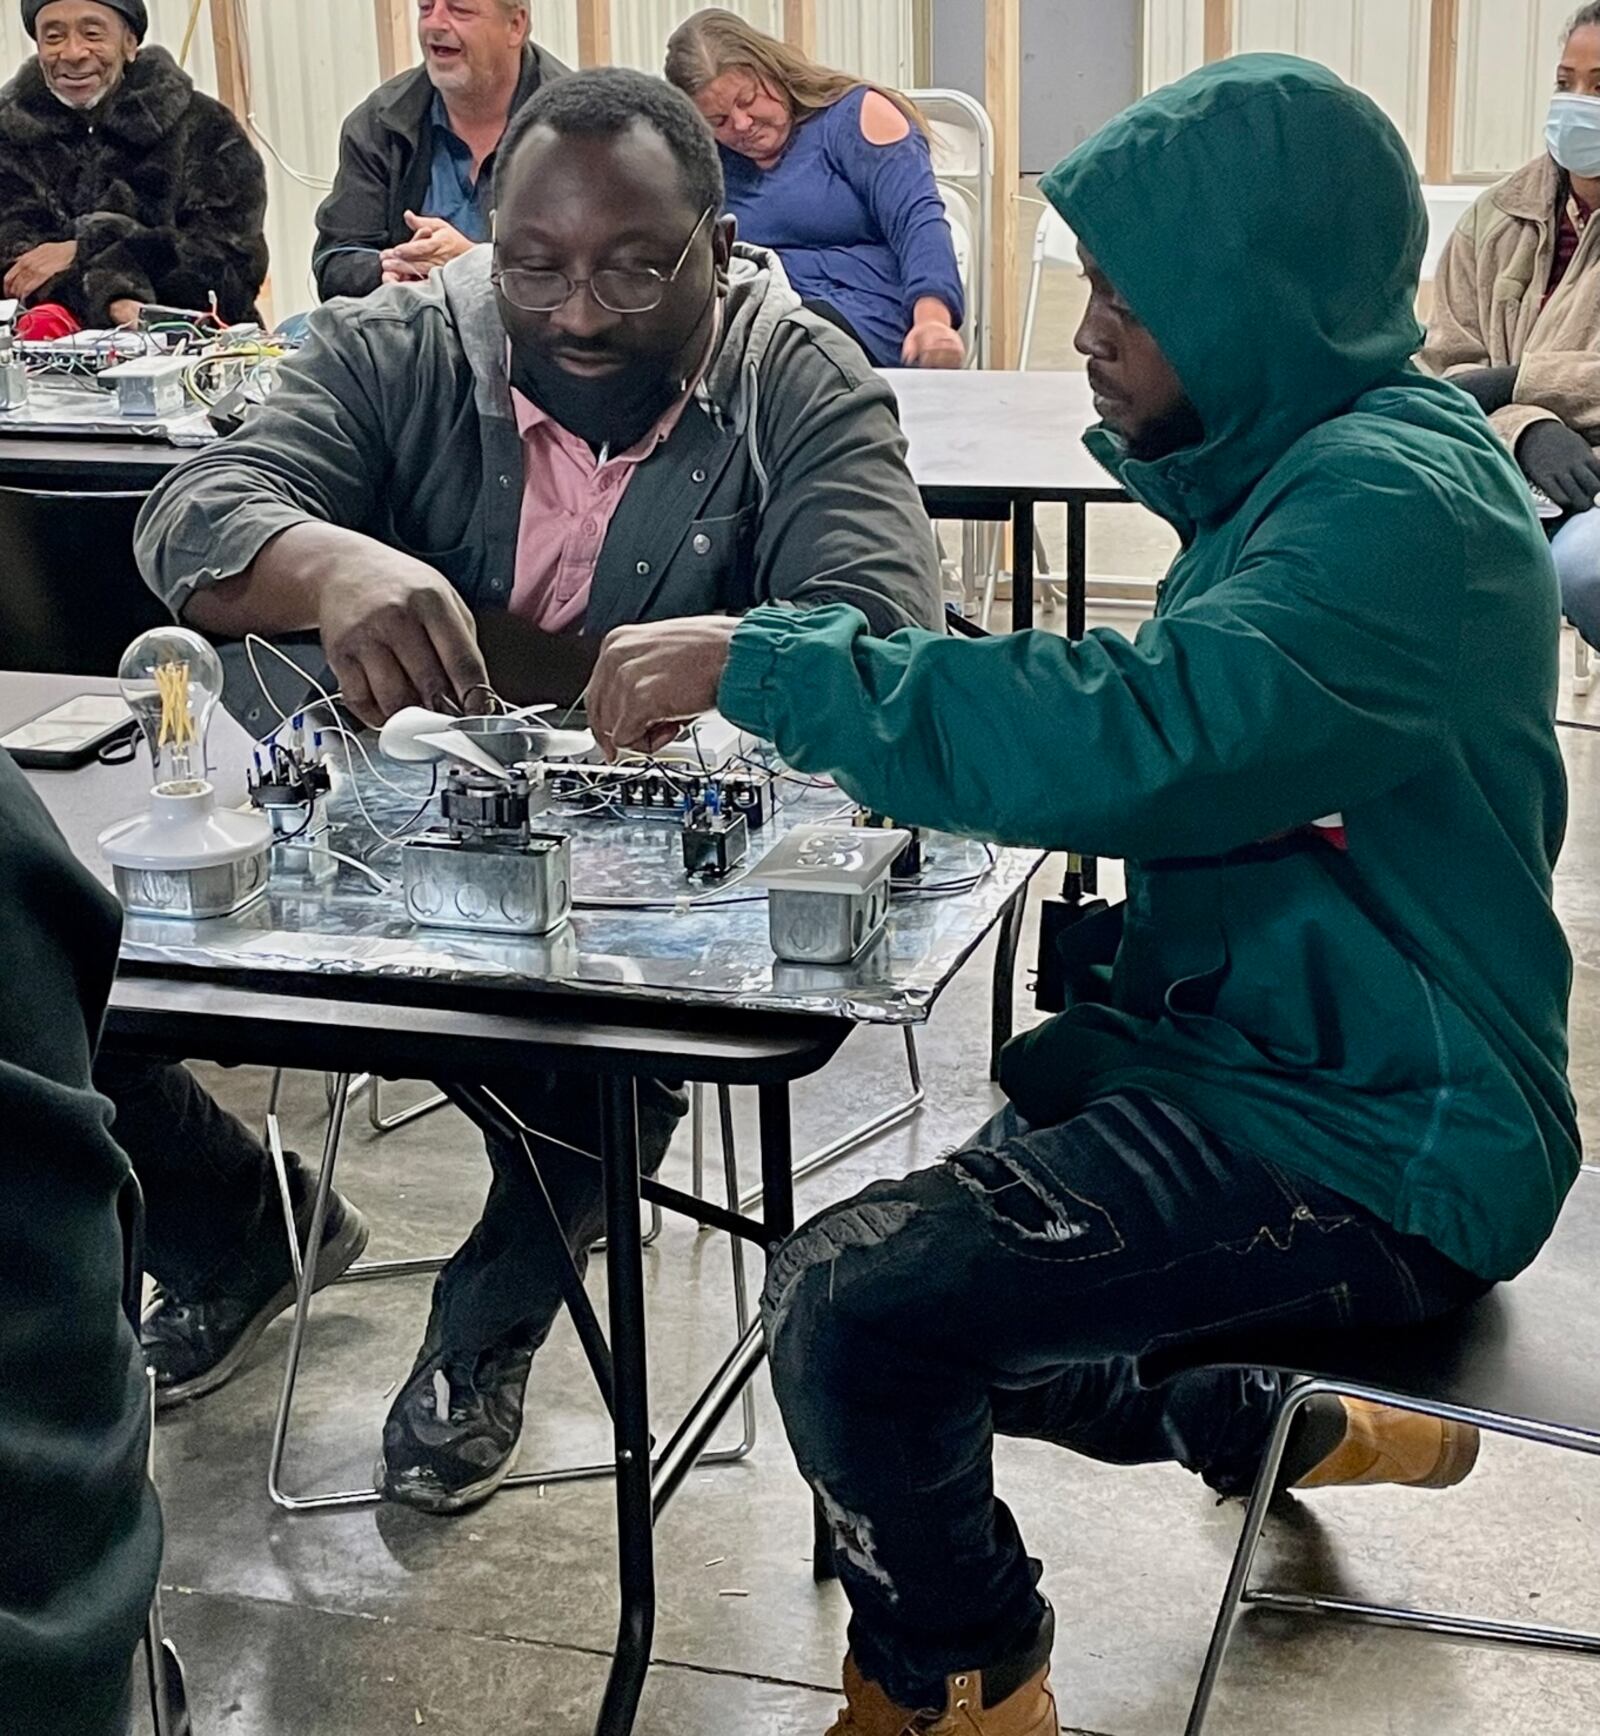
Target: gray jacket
[784,481]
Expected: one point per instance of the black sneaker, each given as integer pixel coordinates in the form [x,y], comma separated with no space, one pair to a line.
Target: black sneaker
[195,1344]
[450,1439]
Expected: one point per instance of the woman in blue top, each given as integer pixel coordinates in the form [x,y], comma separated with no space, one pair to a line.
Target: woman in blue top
[835,176]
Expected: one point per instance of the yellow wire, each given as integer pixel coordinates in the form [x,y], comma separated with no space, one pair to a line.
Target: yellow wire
[188,35]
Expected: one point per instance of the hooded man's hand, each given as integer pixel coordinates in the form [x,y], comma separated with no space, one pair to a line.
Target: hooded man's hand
[655,677]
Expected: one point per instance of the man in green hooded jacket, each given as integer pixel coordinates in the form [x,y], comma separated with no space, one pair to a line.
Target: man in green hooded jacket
[1328,1088]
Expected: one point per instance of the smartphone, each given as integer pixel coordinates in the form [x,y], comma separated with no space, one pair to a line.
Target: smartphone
[70,734]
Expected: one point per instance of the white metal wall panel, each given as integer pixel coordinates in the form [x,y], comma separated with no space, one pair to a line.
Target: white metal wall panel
[1509,50]
[1174,39]
[871,37]
[310,62]
[555,26]
[1379,45]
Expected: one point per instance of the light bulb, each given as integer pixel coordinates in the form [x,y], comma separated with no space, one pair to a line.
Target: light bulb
[172,679]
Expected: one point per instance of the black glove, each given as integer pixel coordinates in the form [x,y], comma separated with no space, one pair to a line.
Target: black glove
[1492,387]
[1557,459]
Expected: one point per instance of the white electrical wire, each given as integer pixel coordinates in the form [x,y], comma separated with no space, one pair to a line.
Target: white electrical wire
[315,182]
[377,879]
[251,642]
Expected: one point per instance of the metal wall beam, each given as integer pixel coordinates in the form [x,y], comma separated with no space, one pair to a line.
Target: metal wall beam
[1002,96]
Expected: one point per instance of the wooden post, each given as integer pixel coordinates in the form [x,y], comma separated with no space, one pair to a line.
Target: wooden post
[1002,96]
[800,25]
[397,39]
[1219,37]
[233,79]
[594,32]
[1444,25]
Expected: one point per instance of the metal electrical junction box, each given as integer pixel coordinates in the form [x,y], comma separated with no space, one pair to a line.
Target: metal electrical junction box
[828,891]
[488,870]
[523,889]
[13,372]
[149,389]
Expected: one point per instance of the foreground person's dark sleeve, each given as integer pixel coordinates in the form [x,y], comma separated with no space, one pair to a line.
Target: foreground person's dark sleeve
[80,1531]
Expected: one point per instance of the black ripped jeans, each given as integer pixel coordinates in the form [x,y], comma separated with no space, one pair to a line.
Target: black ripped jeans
[1012,1290]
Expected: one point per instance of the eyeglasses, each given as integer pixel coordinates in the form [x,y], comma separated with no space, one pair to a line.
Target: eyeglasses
[617,288]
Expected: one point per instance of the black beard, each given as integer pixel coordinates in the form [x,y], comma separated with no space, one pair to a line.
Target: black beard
[1179,427]
[616,410]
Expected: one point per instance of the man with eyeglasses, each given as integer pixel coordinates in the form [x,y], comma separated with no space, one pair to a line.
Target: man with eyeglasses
[618,415]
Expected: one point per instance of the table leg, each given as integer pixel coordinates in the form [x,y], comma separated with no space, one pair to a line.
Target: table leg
[777,1162]
[1021,564]
[1077,567]
[619,1148]
[1005,979]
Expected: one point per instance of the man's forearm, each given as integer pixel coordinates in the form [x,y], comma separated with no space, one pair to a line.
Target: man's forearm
[281,590]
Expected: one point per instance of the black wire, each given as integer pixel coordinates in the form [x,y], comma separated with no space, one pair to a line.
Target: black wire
[1573,723]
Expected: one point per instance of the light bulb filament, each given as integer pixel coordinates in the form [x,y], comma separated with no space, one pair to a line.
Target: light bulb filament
[177,722]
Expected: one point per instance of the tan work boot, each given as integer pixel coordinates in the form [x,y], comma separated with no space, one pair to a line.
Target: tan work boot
[1383,1444]
[1029,1711]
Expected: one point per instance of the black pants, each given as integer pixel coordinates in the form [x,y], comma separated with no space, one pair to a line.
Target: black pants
[214,1222]
[1012,1290]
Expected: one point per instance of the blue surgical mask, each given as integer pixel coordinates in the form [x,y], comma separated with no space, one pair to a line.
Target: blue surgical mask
[1572,133]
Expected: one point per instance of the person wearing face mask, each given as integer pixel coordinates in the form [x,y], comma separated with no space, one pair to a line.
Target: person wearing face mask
[120,183]
[1516,317]
[835,176]
[616,414]
[417,158]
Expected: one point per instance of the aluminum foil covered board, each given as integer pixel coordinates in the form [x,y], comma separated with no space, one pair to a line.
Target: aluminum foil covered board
[714,951]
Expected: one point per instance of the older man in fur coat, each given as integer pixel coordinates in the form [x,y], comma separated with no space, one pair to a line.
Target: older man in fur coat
[120,183]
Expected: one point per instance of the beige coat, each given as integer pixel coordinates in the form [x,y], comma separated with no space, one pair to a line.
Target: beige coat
[1486,311]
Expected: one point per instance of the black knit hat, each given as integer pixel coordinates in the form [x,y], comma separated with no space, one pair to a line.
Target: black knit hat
[132,10]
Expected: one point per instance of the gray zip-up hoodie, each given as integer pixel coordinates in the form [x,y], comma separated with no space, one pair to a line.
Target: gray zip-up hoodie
[784,481]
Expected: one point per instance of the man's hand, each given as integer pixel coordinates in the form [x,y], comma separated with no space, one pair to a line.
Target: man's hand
[1492,387]
[396,634]
[933,344]
[433,243]
[654,677]
[125,311]
[1559,460]
[37,267]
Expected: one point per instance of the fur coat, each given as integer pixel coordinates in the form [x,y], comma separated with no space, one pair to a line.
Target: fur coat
[159,186]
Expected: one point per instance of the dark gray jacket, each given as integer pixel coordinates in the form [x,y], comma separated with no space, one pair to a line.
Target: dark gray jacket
[385,167]
[784,481]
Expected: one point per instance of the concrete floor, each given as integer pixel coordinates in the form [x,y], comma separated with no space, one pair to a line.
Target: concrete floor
[381,1621]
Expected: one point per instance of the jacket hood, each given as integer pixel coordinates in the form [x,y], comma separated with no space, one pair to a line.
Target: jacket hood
[1265,223]
[153,97]
[758,298]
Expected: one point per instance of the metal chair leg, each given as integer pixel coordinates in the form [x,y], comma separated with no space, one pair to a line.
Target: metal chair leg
[1233,1598]
[880,1124]
[169,1693]
[381,1123]
[1582,666]
[297,1333]
[305,1276]
[1238,1596]
[697,1135]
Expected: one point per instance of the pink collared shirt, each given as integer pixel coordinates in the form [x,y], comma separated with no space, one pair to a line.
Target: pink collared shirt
[569,498]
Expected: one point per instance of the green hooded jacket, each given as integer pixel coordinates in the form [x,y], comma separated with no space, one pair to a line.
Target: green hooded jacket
[1361,630]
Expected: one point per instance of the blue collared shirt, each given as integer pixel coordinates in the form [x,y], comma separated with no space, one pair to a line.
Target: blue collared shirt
[452,193]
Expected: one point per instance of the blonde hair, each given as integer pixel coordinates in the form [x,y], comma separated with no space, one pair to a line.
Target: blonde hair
[715,41]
